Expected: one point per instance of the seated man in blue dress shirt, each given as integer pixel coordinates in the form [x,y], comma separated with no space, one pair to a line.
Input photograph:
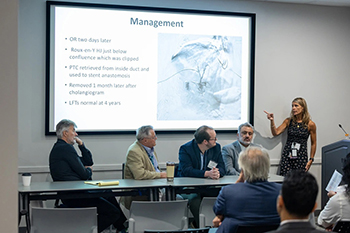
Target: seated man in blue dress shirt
[67,165]
[201,157]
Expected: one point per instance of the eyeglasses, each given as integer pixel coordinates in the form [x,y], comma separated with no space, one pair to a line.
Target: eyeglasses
[215,139]
[246,132]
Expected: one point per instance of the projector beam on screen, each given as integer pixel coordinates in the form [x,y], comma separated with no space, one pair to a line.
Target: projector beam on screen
[113,68]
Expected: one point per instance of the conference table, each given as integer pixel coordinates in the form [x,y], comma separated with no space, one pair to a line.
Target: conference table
[126,187]
[182,185]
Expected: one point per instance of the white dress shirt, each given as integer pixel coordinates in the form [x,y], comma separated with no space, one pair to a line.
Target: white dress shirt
[336,209]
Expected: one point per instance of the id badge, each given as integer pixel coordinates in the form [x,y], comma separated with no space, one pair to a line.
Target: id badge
[212,164]
[295,148]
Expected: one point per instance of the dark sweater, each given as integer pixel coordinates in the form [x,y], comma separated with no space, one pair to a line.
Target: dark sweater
[66,165]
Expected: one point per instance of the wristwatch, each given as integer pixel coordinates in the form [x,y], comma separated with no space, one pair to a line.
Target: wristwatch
[312,159]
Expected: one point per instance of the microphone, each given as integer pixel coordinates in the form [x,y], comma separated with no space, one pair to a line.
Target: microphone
[346,134]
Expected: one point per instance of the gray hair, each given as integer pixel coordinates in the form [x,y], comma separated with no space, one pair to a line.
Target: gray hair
[255,163]
[63,126]
[143,132]
[246,124]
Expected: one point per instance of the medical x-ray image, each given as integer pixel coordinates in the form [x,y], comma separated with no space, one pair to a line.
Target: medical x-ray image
[199,77]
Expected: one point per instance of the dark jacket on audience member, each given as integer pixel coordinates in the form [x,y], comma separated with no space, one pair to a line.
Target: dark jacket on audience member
[299,227]
[247,204]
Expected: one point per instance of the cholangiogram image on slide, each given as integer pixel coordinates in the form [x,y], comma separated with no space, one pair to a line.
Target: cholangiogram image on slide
[199,77]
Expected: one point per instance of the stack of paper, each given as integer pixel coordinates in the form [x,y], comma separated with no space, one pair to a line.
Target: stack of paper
[102,183]
[334,181]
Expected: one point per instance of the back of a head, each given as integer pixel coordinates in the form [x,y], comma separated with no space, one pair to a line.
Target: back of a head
[255,163]
[299,193]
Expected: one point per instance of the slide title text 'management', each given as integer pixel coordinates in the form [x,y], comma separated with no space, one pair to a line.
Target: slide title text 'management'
[156,23]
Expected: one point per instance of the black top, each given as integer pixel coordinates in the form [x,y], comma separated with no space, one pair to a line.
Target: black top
[67,165]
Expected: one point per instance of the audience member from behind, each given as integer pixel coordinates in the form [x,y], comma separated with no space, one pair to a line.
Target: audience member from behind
[201,157]
[296,202]
[338,206]
[252,199]
[142,161]
[231,151]
[67,165]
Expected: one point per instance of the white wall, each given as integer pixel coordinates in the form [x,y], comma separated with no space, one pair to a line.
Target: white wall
[301,50]
[8,115]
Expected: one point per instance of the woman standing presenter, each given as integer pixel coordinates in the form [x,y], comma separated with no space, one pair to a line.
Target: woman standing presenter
[299,126]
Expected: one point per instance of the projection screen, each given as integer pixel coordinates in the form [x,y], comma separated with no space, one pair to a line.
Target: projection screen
[113,68]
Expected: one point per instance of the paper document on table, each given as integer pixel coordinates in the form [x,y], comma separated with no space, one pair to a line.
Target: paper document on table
[334,181]
[102,183]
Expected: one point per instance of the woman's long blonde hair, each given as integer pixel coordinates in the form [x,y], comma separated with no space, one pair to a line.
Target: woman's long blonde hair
[306,116]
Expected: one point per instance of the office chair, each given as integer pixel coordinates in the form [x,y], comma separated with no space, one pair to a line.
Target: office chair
[68,220]
[256,229]
[155,215]
[206,213]
[123,170]
[193,230]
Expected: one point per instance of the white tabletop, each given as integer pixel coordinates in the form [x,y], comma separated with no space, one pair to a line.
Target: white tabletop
[58,186]
[40,187]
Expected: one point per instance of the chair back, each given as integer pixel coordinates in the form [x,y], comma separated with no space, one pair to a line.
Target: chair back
[256,229]
[192,230]
[206,213]
[155,215]
[342,226]
[68,220]
[123,170]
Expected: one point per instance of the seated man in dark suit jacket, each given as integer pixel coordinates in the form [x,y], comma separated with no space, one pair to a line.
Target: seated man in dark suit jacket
[201,157]
[67,165]
[296,201]
[252,200]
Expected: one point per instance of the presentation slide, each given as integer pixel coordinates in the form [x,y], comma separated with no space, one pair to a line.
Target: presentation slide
[116,69]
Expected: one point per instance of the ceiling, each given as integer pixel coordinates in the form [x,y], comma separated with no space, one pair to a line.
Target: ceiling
[345,3]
